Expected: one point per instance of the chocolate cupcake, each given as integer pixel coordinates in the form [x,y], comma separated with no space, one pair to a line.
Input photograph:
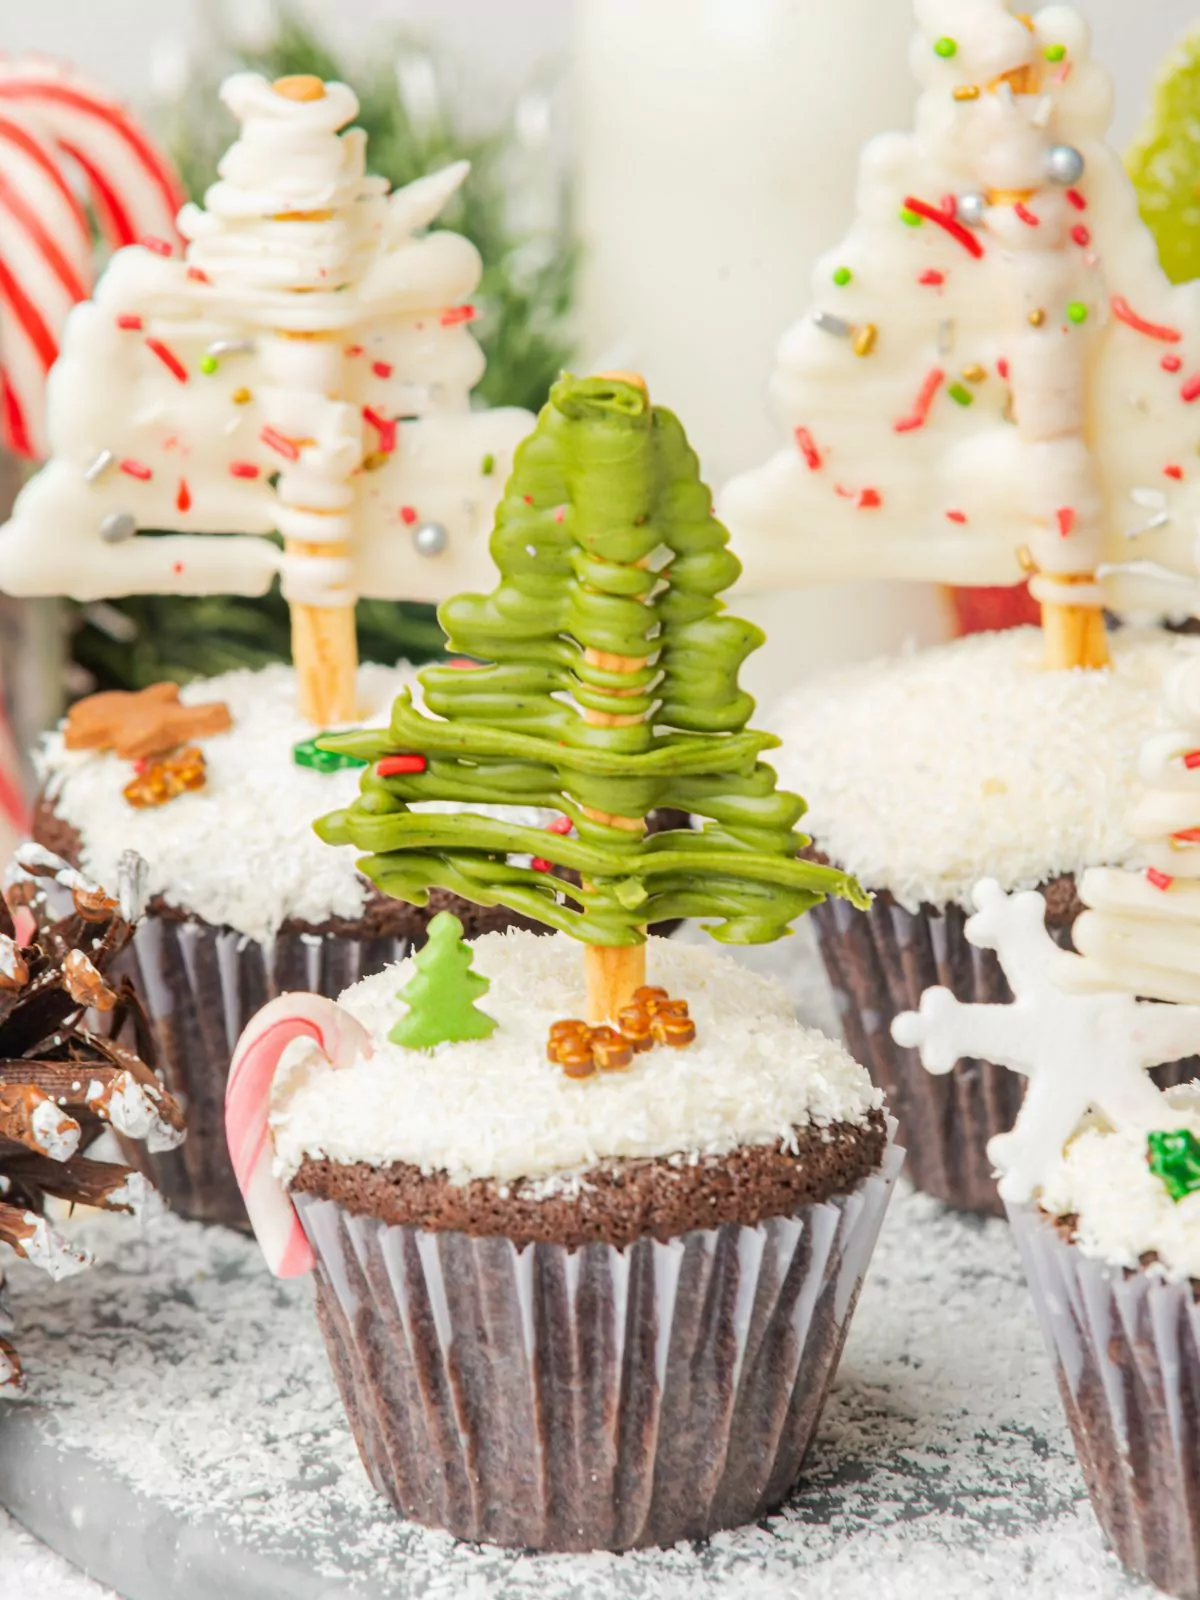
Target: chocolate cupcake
[982,763]
[573,1315]
[245,902]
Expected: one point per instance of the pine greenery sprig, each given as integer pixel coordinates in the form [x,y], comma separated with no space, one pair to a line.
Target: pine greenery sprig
[524,303]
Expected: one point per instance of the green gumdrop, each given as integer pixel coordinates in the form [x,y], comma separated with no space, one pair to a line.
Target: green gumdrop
[1164,164]
[1174,1158]
[441,994]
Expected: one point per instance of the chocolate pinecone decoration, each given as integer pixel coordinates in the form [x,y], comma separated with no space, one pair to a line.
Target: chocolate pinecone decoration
[64,1083]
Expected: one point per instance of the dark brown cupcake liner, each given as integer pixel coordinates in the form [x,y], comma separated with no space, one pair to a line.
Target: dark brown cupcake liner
[879,963]
[1126,1352]
[595,1399]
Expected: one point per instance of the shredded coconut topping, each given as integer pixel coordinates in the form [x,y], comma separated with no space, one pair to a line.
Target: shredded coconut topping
[926,772]
[1124,1210]
[241,852]
[496,1108]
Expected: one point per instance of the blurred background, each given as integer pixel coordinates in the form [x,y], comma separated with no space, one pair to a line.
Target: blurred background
[652,180]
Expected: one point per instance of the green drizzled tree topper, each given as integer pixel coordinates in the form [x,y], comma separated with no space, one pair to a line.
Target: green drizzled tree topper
[441,994]
[611,690]
[1175,1158]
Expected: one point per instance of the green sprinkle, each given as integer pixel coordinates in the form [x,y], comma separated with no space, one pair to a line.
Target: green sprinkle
[842,276]
[1175,1158]
[1056,52]
[910,219]
[1077,312]
[488,465]
[960,395]
[306,754]
[209,363]
[946,48]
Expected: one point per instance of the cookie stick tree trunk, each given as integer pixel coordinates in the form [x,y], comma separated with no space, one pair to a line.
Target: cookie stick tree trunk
[324,640]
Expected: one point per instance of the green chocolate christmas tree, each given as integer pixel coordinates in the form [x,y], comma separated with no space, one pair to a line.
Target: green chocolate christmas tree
[441,994]
[611,691]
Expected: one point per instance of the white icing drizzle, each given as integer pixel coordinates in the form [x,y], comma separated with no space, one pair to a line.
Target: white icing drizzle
[354,392]
[498,1109]
[924,770]
[57,1134]
[1030,374]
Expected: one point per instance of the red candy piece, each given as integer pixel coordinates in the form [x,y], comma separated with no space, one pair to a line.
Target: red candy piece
[1160,880]
[394,766]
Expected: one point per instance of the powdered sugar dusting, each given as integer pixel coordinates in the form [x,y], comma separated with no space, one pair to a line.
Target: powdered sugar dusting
[496,1108]
[926,772]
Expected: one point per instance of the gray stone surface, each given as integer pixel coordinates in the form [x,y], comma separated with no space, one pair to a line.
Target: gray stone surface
[182,1440]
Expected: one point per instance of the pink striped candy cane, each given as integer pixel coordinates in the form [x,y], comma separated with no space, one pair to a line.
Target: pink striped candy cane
[340,1037]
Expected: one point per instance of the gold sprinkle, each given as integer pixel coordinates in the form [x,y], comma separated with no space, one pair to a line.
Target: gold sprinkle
[974,373]
[967,91]
[241,397]
[1025,559]
[993,786]
[1037,318]
[864,339]
[375,460]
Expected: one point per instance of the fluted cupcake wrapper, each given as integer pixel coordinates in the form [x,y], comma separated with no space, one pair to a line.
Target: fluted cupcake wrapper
[879,963]
[1126,1350]
[596,1399]
[200,986]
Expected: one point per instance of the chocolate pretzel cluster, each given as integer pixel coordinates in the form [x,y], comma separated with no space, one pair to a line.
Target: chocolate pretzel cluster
[651,1018]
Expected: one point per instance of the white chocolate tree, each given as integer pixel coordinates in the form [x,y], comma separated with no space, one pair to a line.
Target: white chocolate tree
[304,370]
[997,377]
[1142,931]
[1080,1052]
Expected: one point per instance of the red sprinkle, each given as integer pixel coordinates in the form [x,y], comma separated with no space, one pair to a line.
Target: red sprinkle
[183,496]
[1192,760]
[528,499]
[1171,363]
[932,278]
[1187,836]
[1066,520]
[274,440]
[560,825]
[948,221]
[1076,199]
[1124,312]
[129,322]
[408,515]
[1027,216]
[540,864]
[956,516]
[807,447]
[846,494]
[1002,367]
[453,314]
[169,359]
[869,499]
[1160,880]
[159,246]
[136,469]
[928,392]
[560,513]
[1191,390]
[354,349]
[394,766]
[381,369]
[1081,236]
[384,426]
[177,567]
[197,275]
[1172,471]
[243,469]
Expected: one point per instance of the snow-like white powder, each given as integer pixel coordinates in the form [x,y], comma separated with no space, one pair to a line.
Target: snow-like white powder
[927,772]
[241,852]
[1124,1210]
[496,1108]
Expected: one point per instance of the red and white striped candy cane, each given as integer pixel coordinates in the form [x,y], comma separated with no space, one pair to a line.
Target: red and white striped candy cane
[247,1097]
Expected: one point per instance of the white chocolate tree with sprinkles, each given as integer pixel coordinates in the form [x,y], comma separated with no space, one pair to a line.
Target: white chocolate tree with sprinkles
[304,370]
[997,378]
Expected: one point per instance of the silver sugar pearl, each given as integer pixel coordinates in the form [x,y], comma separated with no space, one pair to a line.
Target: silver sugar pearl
[430,539]
[1064,165]
[118,526]
[971,208]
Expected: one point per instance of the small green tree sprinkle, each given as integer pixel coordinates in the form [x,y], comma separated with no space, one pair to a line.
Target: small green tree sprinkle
[209,364]
[842,276]
[1077,312]
[960,395]
[307,754]
[1174,1158]
[946,48]
[1055,52]
[488,465]
[442,992]
[910,219]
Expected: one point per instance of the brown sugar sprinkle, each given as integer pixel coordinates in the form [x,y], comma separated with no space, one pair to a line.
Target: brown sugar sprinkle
[164,780]
[653,1017]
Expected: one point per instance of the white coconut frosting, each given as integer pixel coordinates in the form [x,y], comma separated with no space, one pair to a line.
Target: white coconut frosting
[1124,1210]
[925,772]
[496,1108]
[241,852]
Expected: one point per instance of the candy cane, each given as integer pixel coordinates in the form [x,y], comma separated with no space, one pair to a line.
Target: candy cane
[342,1039]
[52,117]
